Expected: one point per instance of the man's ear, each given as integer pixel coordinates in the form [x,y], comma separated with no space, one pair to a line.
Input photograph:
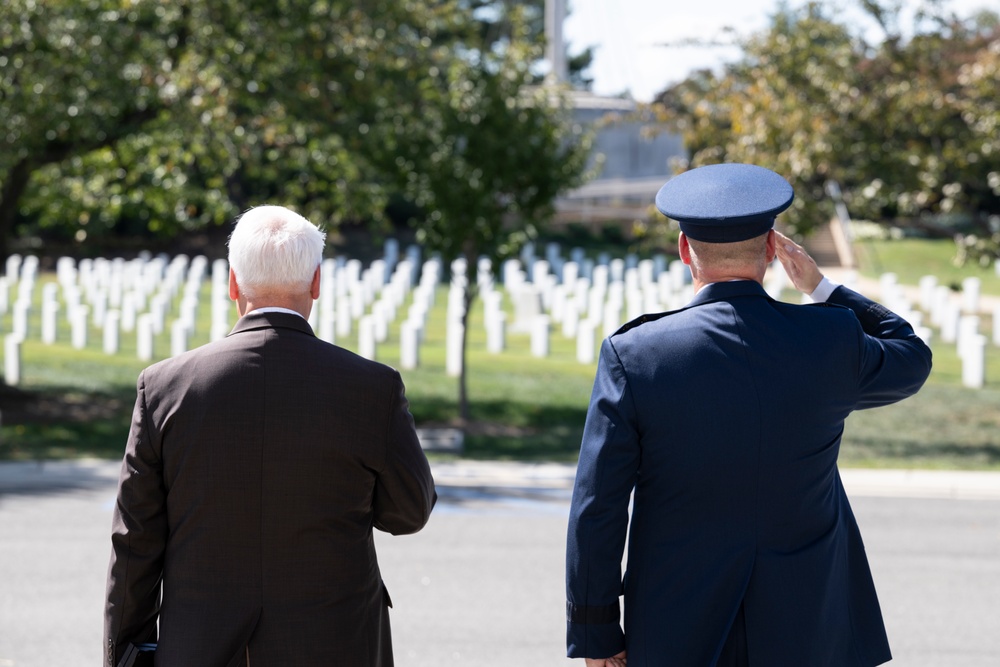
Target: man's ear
[314,286]
[684,249]
[234,289]
[771,251]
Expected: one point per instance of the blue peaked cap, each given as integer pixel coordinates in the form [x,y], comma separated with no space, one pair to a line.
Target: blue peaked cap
[725,203]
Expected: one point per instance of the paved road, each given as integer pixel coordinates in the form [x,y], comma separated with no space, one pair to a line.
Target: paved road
[481,586]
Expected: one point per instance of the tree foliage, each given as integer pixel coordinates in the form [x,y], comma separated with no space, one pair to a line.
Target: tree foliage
[906,125]
[257,100]
[76,77]
[139,116]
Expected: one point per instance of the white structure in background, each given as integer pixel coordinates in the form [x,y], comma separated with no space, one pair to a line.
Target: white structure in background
[635,161]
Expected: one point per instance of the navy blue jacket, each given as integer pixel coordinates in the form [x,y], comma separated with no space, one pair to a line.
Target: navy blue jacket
[726,419]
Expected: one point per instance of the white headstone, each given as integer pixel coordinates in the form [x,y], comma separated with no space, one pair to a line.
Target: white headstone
[970,295]
[453,348]
[144,337]
[4,295]
[612,320]
[887,285]
[327,326]
[581,293]
[79,326]
[571,318]
[343,321]
[634,303]
[585,341]
[539,271]
[968,331]
[927,286]
[996,324]
[616,270]
[380,321]
[496,329]
[940,306]
[12,359]
[949,322]
[111,332]
[19,326]
[679,275]
[366,337]
[50,322]
[925,334]
[99,306]
[557,309]
[600,278]
[527,306]
[570,274]
[13,268]
[540,336]
[158,309]
[178,337]
[974,363]
[409,345]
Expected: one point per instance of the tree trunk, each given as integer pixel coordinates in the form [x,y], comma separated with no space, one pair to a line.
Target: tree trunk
[14,185]
[469,296]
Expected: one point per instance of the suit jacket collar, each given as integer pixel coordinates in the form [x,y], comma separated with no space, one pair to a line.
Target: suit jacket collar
[254,320]
[725,291]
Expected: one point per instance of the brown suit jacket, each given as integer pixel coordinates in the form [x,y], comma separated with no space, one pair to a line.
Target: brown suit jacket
[255,470]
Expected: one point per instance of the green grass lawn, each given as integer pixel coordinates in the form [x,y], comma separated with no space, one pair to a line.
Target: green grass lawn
[910,259]
[522,407]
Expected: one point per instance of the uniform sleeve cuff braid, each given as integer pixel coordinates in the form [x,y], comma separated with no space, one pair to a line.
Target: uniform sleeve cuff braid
[591,615]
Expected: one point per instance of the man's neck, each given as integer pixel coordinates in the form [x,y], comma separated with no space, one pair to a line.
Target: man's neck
[702,281]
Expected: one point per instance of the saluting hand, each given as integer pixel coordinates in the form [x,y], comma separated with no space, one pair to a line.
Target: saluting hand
[800,267]
[613,661]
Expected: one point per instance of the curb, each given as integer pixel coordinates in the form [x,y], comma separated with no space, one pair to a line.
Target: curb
[953,484]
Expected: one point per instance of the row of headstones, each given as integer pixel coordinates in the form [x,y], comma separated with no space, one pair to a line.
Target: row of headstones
[118,296]
[125,296]
[581,295]
[957,318]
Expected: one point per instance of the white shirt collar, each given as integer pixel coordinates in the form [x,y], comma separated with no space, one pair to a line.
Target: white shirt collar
[275,309]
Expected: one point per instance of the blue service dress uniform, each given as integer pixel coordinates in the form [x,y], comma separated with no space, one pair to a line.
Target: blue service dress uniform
[726,418]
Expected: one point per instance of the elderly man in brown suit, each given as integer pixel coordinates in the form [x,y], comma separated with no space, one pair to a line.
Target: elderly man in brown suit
[255,470]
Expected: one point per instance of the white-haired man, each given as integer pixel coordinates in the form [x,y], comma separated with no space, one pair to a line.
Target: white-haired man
[255,469]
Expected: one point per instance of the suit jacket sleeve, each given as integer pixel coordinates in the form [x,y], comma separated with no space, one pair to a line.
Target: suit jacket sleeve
[404,490]
[609,459]
[895,362]
[138,540]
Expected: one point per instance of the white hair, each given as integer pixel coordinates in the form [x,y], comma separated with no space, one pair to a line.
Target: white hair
[274,250]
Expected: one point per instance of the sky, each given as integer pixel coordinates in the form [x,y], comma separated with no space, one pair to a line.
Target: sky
[628,36]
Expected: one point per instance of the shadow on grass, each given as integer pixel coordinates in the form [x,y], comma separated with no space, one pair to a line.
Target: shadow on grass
[511,430]
[65,423]
[940,427]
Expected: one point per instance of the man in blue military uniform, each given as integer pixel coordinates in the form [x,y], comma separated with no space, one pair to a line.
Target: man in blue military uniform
[725,419]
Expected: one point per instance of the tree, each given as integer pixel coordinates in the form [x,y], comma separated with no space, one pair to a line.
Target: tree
[486,160]
[268,100]
[77,77]
[894,122]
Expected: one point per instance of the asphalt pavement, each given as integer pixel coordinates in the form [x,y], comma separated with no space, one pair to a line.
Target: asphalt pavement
[482,584]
